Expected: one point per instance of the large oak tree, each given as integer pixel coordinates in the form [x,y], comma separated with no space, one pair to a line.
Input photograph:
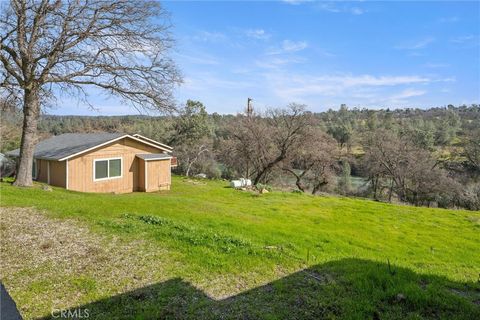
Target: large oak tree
[53,46]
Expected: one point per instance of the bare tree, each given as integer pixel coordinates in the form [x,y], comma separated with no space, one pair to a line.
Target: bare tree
[245,145]
[190,154]
[260,143]
[313,164]
[52,46]
[412,173]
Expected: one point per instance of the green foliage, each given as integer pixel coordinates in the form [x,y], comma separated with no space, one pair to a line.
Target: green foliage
[193,236]
[372,120]
[10,130]
[191,138]
[261,186]
[273,219]
[192,125]
[448,128]
[228,242]
[201,141]
[420,132]
[341,126]
[155,220]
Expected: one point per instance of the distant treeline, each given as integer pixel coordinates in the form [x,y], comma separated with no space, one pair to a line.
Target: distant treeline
[424,157]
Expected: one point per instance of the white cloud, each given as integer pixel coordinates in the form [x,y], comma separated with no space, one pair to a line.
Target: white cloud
[257,34]
[334,84]
[335,7]
[296,2]
[208,36]
[278,62]
[359,89]
[369,80]
[470,38]
[274,81]
[200,59]
[415,45]
[288,46]
[407,93]
[293,46]
[209,82]
[357,11]
[330,7]
[403,98]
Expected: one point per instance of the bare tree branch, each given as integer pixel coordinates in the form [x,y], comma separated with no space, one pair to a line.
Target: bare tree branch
[119,46]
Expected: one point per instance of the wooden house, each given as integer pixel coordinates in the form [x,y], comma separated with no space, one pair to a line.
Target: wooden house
[103,162]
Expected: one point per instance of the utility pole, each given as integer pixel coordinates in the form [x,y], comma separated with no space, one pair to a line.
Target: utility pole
[249,107]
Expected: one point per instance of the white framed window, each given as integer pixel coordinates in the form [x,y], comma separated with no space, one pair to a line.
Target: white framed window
[34,169]
[104,169]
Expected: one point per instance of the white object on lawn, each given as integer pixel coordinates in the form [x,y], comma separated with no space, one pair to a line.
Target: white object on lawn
[241,183]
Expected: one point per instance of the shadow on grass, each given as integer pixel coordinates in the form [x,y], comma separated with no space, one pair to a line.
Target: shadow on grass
[344,289]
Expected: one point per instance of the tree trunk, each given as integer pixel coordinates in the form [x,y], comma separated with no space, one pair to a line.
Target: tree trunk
[187,172]
[299,184]
[267,168]
[317,186]
[298,179]
[390,191]
[375,187]
[31,112]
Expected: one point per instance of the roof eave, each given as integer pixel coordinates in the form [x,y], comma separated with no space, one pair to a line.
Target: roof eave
[153,141]
[113,140]
[38,158]
[150,159]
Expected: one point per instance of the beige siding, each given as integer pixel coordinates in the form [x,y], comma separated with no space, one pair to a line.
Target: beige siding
[58,173]
[80,169]
[42,170]
[141,174]
[158,175]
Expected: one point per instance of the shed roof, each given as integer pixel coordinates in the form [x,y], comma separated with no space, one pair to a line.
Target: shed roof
[69,144]
[154,156]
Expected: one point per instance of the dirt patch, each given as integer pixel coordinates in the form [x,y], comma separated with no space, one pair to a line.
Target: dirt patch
[29,238]
[45,261]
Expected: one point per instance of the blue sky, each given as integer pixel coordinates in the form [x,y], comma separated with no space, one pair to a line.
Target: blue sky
[364,54]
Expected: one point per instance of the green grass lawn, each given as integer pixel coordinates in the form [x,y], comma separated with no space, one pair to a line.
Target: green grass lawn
[203,250]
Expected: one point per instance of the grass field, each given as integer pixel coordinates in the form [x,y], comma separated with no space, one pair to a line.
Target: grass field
[203,250]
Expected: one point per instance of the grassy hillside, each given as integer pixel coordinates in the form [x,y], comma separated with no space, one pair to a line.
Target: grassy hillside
[203,249]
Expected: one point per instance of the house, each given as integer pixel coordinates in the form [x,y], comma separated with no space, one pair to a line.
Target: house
[103,162]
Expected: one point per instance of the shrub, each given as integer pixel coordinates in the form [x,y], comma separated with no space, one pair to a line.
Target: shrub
[261,186]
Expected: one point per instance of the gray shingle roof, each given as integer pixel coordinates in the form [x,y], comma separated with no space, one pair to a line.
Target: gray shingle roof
[64,145]
[154,156]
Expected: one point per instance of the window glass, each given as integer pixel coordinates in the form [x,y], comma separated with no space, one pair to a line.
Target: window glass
[101,169]
[115,168]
